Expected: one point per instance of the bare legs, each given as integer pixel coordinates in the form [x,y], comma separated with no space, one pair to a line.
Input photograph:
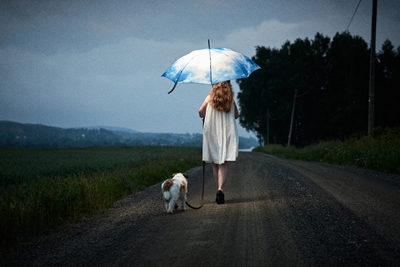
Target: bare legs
[220,172]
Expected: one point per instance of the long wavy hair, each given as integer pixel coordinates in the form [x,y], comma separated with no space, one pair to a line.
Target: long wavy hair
[222,96]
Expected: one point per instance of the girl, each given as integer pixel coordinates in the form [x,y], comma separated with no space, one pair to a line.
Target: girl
[220,136]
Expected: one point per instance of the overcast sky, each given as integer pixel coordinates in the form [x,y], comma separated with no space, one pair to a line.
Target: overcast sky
[79,63]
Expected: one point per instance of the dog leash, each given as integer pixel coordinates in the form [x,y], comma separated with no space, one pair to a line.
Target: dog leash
[202,192]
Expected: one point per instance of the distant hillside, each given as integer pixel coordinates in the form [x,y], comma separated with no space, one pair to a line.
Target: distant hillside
[109,128]
[13,134]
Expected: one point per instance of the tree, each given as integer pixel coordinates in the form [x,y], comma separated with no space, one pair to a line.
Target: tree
[310,122]
[271,90]
[331,77]
[346,93]
[253,99]
[387,95]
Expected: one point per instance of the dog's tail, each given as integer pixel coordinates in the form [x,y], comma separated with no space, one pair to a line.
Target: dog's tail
[166,186]
[167,195]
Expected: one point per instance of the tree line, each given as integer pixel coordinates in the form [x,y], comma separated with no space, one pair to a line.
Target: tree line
[323,84]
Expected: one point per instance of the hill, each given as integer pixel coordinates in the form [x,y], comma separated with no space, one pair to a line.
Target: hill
[14,134]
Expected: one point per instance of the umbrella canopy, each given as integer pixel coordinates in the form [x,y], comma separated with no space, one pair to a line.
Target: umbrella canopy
[210,66]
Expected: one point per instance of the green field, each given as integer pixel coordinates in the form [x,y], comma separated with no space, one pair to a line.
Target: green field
[42,189]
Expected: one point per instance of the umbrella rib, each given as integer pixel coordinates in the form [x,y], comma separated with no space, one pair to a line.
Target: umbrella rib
[239,65]
[244,71]
[180,73]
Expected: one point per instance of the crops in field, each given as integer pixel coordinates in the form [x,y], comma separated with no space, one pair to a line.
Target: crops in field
[43,189]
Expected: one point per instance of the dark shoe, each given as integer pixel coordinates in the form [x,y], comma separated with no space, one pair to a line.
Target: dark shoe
[220,197]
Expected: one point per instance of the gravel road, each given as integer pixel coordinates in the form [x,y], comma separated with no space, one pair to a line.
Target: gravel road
[277,213]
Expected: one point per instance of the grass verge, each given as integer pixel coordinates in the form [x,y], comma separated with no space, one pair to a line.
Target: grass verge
[381,153]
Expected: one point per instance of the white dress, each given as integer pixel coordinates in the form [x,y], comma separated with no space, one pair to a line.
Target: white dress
[220,136]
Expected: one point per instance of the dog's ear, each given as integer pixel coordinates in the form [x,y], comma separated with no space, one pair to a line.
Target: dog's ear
[172,176]
[185,174]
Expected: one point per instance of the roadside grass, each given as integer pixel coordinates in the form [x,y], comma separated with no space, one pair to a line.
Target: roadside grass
[45,189]
[381,153]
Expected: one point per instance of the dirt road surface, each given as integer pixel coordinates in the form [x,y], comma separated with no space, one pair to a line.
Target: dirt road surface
[277,213]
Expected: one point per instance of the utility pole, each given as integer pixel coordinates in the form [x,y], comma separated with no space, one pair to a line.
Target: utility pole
[371,100]
[267,141]
[291,120]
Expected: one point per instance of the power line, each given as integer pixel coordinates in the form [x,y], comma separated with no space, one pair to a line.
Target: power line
[334,52]
[351,20]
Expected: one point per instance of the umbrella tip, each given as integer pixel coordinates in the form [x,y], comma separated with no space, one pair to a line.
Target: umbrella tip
[173,88]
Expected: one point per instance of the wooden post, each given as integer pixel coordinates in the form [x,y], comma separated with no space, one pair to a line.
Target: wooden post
[291,121]
[267,141]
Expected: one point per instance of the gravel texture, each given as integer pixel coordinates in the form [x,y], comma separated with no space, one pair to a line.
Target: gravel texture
[277,213]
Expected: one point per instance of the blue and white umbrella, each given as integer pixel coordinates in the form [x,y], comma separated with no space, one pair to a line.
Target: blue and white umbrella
[210,66]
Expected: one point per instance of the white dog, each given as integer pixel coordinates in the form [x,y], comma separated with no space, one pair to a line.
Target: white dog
[174,189]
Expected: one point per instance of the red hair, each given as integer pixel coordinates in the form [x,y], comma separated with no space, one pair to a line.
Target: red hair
[222,96]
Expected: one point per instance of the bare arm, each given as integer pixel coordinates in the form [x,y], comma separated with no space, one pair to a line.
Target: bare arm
[203,107]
